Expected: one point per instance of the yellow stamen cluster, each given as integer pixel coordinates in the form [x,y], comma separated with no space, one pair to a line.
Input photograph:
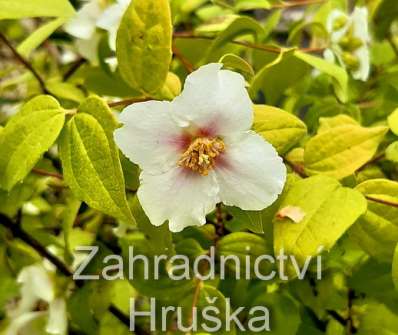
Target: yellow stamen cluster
[201,154]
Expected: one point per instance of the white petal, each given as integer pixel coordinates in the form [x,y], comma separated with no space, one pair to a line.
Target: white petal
[360,23]
[364,64]
[82,25]
[329,55]
[149,136]
[89,48]
[336,35]
[215,100]
[180,196]
[36,285]
[251,175]
[57,320]
[110,20]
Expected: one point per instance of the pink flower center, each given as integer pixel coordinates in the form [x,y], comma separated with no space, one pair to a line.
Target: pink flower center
[201,154]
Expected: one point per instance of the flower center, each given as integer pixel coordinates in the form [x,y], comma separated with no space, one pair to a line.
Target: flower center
[201,154]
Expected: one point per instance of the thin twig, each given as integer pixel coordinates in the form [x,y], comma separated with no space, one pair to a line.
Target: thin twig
[74,67]
[381,201]
[296,168]
[276,50]
[129,101]
[195,300]
[185,62]
[19,233]
[45,173]
[292,4]
[24,62]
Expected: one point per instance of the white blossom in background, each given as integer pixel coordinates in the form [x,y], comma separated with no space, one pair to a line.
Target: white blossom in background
[37,287]
[96,14]
[349,41]
[198,150]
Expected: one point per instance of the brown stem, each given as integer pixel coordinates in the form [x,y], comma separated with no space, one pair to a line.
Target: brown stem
[45,173]
[381,201]
[195,299]
[244,43]
[128,101]
[185,62]
[24,62]
[296,168]
[74,67]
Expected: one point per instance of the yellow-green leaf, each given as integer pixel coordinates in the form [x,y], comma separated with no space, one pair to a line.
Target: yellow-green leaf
[27,136]
[340,151]
[393,121]
[282,129]
[92,167]
[17,9]
[330,210]
[143,44]
[377,231]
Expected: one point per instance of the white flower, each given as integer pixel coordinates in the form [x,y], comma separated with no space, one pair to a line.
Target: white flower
[95,15]
[349,37]
[198,150]
[37,286]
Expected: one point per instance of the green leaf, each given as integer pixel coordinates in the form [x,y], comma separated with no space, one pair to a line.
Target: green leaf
[244,5]
[235,62]
[252,220]
[143,44]
[70,213]
[340,151]
[392,152]
[39,36]
[377,319]
[395,267]
[377,231]
[27,136]
[65,91]
[242,244]
[329,209]
[17,9]
[279,305]
[386,13]
[393,121]
[282,129]
[160,241]
[326,123]
[240,26]
[336,72]
[91,164]
[275,77]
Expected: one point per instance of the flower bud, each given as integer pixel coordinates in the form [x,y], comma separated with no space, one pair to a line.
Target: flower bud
[351,61]
[339,23]
[350,43]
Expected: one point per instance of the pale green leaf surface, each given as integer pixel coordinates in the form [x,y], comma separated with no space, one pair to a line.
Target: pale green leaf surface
[329,209]
[143,44]
[282,129]
[377,231]
[16,9]
[91,166]
[340,151]
[39,36]
[393,121]
[29,134]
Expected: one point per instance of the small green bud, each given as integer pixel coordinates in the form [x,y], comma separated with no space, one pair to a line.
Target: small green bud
[350,60]
[339,23]
[350,43]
